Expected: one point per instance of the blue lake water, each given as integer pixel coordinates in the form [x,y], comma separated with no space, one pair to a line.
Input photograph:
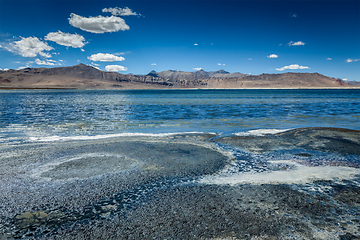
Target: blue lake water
[27,115]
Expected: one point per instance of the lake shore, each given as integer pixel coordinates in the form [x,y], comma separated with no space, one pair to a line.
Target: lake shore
[184,186]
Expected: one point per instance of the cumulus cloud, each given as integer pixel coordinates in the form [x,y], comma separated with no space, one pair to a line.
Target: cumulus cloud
[195,44]
[105,57]
[98,24]
[45,55]
[153,64]
[352,60]
[115,68]
[121,11]
[221,64]
[329,59]
[66,39]
[197,69]
[46,62]
[5,69]
[272,56]
[249,59]
[31,47]
[292,67]
[298,43]
[345,79]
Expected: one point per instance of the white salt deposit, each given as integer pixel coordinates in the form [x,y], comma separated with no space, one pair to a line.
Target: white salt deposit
[260,132]
[86,137]
[298,174]
[121,160]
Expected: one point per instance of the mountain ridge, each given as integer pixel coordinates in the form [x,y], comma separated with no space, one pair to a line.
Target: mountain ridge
[83,76]
[200,74]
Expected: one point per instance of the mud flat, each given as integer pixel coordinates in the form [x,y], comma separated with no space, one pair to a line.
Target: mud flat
[295,184]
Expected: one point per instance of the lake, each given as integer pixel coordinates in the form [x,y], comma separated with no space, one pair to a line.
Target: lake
[27,115]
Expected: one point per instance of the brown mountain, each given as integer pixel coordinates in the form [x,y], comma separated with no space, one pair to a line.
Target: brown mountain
[201,74]
[86,77]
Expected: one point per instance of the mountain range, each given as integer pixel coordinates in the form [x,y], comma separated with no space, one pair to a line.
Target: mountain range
[82,76]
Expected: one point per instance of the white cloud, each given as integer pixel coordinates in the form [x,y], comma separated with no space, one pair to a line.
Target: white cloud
[293,15]
[82,50]
[22,67]
[105,57]
[5,69]
[249,59]
[352,60]
[98,24]
[95,64]
[45,55]
[345,79]
[298,43]
[329,59]
[272,56]
[39,62]
[122,53]
[292,67]
[27,65]
[153,64]
[48,62]
[115,68]
[31,47]
[197,69]
[195,44]
[121,11]
[221,64]
[66,39]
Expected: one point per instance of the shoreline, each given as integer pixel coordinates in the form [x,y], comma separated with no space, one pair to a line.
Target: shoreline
[74,88]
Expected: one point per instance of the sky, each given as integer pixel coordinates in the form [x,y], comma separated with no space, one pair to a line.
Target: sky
[251,37]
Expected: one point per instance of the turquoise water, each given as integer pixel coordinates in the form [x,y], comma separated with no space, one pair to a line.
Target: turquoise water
[28,115]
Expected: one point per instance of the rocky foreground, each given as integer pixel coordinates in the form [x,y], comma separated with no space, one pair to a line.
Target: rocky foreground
[297,184]
[86,77]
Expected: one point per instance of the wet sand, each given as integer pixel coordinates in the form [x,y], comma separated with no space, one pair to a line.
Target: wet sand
[298,184]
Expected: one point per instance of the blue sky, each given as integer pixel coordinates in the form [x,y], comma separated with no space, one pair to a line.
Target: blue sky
[139,36]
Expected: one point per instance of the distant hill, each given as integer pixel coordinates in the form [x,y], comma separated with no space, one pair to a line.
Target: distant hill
[87,77]
[201,74]
[353,83]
